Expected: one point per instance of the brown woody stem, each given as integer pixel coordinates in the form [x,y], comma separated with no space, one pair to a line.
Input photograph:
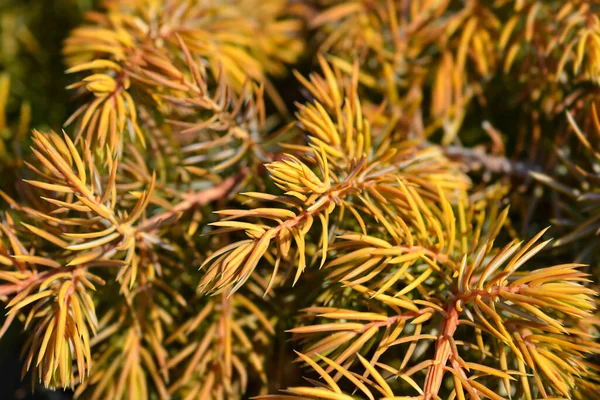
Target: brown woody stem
[476,160]
[193,200]
[443,350]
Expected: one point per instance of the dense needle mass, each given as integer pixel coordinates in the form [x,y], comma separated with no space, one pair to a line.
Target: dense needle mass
[361,193]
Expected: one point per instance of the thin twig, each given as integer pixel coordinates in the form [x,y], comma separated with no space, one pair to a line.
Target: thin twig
[476,160]
[193,200]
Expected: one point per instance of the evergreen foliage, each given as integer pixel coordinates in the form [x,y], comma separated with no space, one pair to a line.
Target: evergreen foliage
[357,193]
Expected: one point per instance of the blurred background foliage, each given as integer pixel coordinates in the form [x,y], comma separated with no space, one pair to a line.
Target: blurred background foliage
[32,34]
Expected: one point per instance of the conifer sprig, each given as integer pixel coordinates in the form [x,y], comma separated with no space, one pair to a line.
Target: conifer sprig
[187,237]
